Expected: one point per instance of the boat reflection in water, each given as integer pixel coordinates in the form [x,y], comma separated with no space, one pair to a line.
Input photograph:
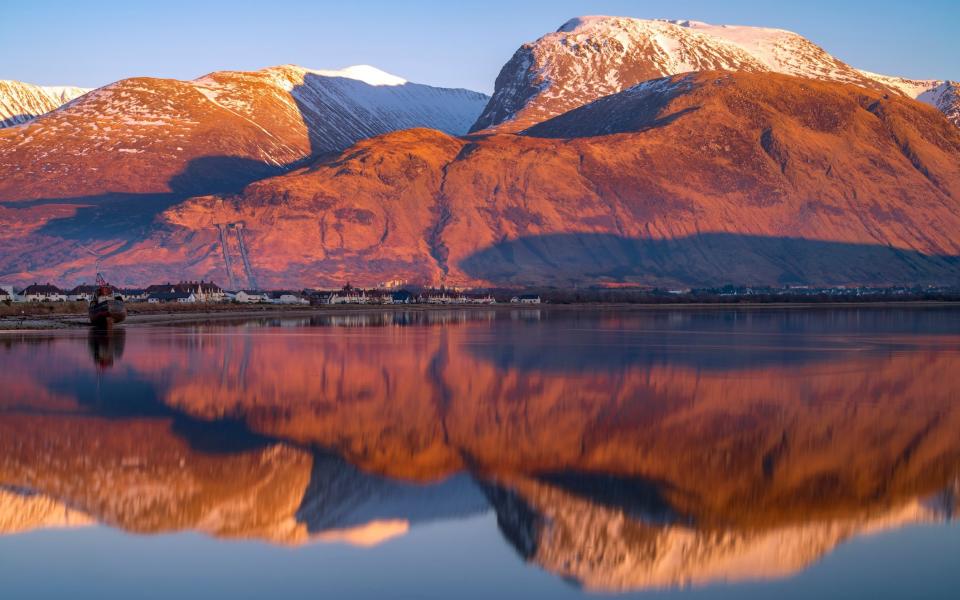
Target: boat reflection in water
[106,345]
[621,451]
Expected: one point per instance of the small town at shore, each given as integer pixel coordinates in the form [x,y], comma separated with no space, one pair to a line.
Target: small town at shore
[208,292]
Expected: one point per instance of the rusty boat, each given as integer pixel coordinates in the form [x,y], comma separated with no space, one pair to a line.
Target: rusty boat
[106,306]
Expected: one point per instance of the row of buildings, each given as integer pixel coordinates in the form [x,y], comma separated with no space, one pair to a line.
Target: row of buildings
[189,292]
[352,295]
[185,291]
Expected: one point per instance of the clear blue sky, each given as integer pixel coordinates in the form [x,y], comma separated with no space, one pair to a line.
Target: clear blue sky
[454,43]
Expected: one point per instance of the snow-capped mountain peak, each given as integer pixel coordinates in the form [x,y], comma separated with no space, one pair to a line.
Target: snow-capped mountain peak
[594,56]
[20,102]
[366,74]
[272,118]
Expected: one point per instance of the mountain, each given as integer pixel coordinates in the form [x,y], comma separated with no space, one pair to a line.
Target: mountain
[20,102]
[591,57]
[946,97]
[215,133]
[590,169]
[698,179]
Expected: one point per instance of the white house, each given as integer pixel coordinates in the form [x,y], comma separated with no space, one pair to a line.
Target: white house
[251,297]
[442,298]
[349,295]
[525,299]
[202,291]
[171,297]
[205,291]
[287,297]
[480,299]
[134,295]
[43,293]
[82,293]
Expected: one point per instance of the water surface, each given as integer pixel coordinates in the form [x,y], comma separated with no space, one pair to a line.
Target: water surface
[526,453]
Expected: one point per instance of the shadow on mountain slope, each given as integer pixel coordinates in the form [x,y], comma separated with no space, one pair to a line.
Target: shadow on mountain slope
[222,175]
[333,125]
[330,124]
[127,216]
[18,119]
[710,259]
[611,115]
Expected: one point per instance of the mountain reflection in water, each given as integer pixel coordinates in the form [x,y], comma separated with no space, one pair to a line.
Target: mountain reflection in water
[620,450]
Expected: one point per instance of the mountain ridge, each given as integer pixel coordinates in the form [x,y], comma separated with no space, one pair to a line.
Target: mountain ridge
[696,180]
[594,56]
[140,135]
[825,176]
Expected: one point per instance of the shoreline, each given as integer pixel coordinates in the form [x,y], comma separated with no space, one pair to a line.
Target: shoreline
[220,313]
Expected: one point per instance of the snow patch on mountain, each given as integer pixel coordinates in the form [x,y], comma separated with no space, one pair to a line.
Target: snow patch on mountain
[594,56]
[171,132]
[20,102]
[349,104]
[942,95]
[908,87]
[365,73]
[946,98]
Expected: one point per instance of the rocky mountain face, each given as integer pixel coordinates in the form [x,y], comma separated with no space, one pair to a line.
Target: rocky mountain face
[782,165]
[942,95]
[946,97]
[592,57]
[20,102]
[158,136]
[698,179]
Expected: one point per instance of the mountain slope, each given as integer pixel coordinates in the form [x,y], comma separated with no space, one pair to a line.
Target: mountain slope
[591,57]
[698,179]
[730,178]
[21,102]
[156,136]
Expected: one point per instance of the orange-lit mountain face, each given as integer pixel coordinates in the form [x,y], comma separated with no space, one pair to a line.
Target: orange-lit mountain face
[770,163]
[99,171]
[699,179]
[215,133]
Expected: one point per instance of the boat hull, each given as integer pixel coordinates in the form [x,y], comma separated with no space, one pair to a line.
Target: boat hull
[107,312]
